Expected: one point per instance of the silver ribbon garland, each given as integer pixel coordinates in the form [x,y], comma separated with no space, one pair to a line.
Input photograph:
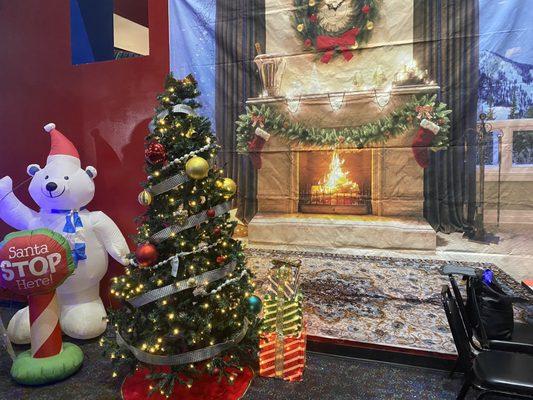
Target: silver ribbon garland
[171,183]
[168,184]
[183,109]
[189,357]
[178,108]
[193,220]
[203,279]
[7,342]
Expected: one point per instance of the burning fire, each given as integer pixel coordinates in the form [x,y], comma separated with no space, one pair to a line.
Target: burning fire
[336,180]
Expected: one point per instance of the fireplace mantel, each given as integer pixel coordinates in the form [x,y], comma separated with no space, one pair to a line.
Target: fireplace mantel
[349,96]
[396,179]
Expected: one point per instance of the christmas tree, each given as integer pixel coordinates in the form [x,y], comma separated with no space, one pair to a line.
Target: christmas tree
[188,297]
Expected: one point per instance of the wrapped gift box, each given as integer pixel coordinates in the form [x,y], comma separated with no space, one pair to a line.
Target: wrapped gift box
[284,279]
[282,356]
[284,316]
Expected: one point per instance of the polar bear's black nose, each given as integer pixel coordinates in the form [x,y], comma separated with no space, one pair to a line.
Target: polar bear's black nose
[51,186]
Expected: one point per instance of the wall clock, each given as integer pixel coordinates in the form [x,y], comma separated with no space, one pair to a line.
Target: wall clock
[333,27]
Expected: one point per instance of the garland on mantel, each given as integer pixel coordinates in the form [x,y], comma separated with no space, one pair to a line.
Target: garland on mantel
[430,116]
[254,126]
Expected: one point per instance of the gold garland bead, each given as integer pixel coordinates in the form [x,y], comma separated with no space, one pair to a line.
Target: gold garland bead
[300,27]
[369,25]
[145,198]
[197,168]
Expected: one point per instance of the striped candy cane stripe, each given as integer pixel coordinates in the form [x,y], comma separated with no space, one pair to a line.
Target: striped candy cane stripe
[44,325]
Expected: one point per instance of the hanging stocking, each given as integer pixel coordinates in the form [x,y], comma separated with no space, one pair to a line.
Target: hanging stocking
[255,146]
[422,142]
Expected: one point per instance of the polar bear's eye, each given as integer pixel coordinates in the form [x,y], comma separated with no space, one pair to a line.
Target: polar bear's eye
[46,177]
[66,178]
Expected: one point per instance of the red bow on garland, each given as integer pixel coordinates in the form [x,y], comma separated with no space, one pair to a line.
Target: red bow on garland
[343,42]
[258,119]
[424,112]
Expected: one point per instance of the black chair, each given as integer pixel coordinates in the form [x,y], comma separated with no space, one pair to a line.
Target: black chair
[521,341]
[490,371]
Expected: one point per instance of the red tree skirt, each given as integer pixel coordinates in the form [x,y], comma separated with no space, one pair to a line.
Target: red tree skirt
[135,387]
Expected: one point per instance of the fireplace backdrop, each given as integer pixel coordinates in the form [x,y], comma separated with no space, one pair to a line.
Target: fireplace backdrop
[385,175]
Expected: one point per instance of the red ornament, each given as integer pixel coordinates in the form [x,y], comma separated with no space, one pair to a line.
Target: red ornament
[155,153]
[221,259]
[211,213]
[146,255]
[313,18]
[308,42]
[365,9]
[217,231]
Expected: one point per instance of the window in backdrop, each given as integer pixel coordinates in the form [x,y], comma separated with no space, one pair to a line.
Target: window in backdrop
[506,85]
[103,30]
[506,59]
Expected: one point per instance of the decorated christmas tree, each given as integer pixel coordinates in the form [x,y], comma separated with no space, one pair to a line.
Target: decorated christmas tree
[188,297]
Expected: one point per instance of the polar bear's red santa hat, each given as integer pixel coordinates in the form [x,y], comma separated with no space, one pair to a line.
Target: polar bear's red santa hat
[60,145]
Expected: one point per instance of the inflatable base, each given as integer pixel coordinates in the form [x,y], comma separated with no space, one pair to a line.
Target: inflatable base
[38,371]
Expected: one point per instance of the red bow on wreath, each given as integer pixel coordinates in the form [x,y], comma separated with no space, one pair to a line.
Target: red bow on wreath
[343,42]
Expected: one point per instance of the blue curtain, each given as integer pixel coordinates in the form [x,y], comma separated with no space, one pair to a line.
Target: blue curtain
[192,46]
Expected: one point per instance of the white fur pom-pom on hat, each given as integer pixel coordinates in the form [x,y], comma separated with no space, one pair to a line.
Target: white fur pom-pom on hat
[60,144]
[49,127]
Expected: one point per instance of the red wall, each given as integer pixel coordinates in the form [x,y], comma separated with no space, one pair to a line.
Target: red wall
[103,108]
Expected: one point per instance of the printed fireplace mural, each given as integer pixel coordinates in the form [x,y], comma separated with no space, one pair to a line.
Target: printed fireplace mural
[335,182]
[339,196]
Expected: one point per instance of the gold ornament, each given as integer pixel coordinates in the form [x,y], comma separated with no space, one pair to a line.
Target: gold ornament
[300,27]
[197,168]
[180,216]
[145,198]
[369,25]
[229,187]
[189,133]
[312,3]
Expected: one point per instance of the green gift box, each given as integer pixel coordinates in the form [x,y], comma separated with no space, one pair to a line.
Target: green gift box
[283,316]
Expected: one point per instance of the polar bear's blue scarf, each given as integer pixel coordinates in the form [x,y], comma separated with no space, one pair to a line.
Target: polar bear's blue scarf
[73,224]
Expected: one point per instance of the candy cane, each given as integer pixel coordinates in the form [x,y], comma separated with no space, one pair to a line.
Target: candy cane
[45,330]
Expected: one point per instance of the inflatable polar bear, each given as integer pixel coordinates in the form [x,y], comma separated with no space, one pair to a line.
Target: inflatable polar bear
[62,189]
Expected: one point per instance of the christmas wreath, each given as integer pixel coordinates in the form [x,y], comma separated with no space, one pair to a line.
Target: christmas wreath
[430,116]
[334,26]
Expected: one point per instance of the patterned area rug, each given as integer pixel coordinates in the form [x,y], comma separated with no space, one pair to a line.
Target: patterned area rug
[379,300]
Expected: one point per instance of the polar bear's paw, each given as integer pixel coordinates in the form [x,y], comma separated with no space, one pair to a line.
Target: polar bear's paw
[18,329]
[85,320]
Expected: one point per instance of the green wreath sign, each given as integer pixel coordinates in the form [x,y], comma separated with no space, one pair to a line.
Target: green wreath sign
[334,26]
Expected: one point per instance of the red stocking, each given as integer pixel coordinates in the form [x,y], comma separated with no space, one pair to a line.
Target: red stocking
[421,145]
[255,146]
